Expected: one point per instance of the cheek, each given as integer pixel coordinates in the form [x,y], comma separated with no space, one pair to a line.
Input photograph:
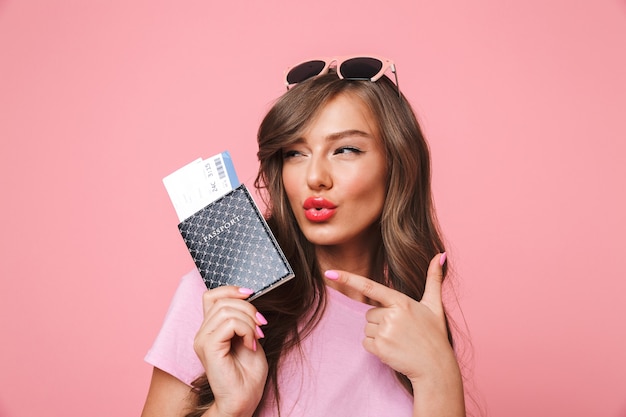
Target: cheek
[371,182]
[290,183]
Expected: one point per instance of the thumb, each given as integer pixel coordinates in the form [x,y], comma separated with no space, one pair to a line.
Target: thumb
[434,278]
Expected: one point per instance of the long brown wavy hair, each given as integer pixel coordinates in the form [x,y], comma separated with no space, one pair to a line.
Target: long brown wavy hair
[409,230]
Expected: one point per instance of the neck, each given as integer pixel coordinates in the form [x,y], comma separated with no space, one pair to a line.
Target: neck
[364,260]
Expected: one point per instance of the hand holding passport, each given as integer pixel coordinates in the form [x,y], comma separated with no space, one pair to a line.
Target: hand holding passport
[224,230]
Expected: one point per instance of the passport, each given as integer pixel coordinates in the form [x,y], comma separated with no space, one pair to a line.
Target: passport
[231,244]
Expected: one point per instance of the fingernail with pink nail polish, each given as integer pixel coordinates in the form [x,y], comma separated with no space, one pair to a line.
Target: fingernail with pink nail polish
[246,291]
[259,332]
[260,318]
[442,259]
[330,274]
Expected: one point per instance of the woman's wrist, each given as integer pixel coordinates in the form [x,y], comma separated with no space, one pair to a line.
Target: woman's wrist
[440,392]
[213,411]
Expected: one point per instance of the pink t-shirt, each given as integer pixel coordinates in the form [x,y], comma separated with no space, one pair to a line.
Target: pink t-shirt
[334,375]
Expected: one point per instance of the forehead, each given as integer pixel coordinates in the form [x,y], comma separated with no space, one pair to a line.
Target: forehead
[342,112]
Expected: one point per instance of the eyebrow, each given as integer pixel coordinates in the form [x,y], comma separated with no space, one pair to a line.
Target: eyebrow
[339,135]
[346,133]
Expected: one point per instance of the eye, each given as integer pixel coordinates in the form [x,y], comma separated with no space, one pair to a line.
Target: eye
[291,154]
[347,150]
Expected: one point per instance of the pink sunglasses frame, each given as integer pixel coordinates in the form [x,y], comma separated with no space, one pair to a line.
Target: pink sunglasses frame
[336,62]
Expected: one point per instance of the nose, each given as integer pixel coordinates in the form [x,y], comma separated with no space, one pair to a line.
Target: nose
[319,173]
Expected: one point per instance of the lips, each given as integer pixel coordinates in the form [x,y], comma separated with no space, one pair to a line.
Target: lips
[318,209]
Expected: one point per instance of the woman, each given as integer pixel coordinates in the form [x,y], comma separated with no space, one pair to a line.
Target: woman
[361,330]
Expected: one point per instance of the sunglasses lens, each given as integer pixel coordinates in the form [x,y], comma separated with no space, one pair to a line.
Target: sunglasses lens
[305,71]
[360,68]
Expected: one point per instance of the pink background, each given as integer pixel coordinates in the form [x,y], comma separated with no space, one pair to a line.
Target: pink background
[524,104]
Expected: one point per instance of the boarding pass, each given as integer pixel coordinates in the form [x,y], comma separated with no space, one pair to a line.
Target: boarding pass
[200,182]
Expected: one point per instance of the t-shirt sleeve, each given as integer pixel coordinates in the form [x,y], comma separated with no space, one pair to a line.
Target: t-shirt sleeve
[172,350]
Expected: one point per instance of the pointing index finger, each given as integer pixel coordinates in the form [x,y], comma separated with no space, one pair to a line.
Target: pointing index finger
[364,286]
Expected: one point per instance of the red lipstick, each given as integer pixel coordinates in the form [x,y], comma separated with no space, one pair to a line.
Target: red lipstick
[318,209]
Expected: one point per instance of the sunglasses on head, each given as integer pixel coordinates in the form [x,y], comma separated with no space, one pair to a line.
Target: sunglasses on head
[348,68]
